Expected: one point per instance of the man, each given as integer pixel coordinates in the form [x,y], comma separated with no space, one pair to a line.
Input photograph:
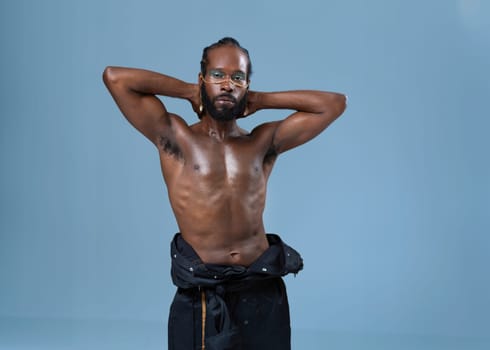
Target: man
[228,270]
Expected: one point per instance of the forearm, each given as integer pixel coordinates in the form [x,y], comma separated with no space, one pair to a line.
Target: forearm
[308,101]
[146,82]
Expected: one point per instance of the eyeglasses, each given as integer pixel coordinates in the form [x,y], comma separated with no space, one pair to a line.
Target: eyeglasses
[217,76]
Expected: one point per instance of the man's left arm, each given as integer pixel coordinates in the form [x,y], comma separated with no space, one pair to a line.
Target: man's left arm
[315,110]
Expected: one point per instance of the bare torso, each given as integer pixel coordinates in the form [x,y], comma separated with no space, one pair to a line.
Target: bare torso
[217,189]
[217,182]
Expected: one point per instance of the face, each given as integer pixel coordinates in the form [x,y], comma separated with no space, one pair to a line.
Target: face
[225,85]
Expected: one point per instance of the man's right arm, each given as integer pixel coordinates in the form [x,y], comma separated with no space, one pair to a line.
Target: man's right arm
[135,90]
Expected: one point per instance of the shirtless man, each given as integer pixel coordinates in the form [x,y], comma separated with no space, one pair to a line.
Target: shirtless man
[216,174]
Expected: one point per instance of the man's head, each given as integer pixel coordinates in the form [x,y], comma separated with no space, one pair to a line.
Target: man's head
[224,79]
[227,41]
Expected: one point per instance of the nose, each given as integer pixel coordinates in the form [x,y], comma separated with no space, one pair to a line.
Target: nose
[227,85]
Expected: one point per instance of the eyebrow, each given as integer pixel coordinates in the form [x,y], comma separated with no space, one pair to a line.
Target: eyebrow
[223,70]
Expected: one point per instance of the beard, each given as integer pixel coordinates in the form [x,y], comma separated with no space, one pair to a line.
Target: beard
[224,113]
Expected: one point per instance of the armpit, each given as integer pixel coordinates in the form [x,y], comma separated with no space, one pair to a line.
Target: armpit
[167,146]
[271,155]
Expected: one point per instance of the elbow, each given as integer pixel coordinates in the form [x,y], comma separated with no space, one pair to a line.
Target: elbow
[337,104]
[342,103]
[110,75]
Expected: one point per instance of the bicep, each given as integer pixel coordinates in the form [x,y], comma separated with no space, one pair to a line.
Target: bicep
[146,113]
[298,128]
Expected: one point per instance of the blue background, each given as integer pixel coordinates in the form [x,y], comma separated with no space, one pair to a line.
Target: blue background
[390,206]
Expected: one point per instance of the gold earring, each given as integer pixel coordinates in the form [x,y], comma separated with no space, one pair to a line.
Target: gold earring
[201,107]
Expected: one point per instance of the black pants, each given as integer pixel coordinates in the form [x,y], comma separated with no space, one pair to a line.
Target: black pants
[259,314]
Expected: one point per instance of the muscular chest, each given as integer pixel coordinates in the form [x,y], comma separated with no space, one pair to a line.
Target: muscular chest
[229,163]
[206,165]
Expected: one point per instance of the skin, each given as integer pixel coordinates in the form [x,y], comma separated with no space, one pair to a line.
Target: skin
[216,173]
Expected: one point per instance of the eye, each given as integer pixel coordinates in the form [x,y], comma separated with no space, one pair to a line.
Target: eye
[214,73]
[238,76]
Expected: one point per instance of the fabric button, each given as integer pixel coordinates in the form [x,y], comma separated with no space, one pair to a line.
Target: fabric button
[264,269]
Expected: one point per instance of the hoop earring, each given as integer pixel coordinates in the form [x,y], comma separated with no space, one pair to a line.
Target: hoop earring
[201,107]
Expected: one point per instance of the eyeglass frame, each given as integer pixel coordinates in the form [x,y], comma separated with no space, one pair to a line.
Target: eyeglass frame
[227,77]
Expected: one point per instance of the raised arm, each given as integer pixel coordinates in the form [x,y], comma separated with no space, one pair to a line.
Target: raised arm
[135,90]
[315,110]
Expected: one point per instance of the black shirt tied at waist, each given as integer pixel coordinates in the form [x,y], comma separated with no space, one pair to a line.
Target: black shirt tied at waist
[189,272]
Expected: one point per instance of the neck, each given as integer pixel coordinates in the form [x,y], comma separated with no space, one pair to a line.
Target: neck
[219,129]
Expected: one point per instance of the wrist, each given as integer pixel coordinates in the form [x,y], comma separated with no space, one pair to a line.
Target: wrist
[253,100]
[191,91]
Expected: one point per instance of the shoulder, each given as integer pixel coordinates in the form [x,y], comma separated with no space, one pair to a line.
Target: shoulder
[177,121]
[263,136]
[265,130]
[178,127]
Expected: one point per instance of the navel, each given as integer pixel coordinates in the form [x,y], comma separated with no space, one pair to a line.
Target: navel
[234,255]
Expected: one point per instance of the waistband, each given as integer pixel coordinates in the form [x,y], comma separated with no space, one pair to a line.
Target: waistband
[189,271]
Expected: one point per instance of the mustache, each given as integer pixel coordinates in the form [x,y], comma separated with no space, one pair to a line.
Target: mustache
[226,96]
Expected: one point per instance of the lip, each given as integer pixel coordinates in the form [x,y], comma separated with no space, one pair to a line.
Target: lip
[225,99]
